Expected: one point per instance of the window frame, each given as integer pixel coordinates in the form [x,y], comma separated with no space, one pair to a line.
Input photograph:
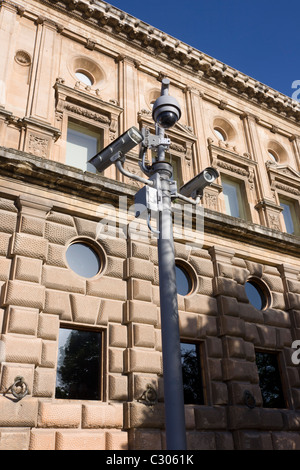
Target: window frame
[242,199]
[200,349]
[90,129]
[103,372]
[295,213]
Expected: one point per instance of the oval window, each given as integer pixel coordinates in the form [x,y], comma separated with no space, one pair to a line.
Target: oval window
[256,295]
[83,259]
[183,281]
[220,134]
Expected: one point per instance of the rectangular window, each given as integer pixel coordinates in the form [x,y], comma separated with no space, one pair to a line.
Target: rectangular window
[233,198]
[82,144]
[192,374]
[270,380]
[79,365]
[289,216]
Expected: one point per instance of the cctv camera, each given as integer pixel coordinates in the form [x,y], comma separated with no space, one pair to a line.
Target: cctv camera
[117,149]
[166,110]
[196,186]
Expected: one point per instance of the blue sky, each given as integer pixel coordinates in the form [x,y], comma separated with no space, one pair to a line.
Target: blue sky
[258,38]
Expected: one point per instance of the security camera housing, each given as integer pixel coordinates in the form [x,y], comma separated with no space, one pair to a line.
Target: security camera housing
[117,149]
[166,111]
[196,185]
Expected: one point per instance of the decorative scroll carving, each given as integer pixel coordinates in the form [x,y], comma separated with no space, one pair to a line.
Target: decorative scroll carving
[87,113]
[37,146]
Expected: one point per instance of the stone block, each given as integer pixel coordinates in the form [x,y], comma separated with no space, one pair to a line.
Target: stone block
[85,309]
[110,310]
[32,225]
[256,269]
[224,286]
[24,294]
[231,326]
[42,439]
[22,320]
[210,417]
[141,312]
[234,369]
[140,250]
[219,393]
[11,371]
[293,301]
[104,415]
[5,264]
[143,439]
[49,353]
[203,267]
[14,439]
[115,267]
[58,303]
[48,326]
[276,318]
[237,392]
[214,347]
[138,360]
[116,360]
[89,440]
[118,336]
[18,414]
[188,324]
[117,387]
[274,282]
[293,286]
[140,290]
[62,279]
[286,440]
[29,246]
[224,441]
[44,382]
[4,243]
[22,349]
[205,286]
[267,335]
[249,313]
[140,269]
[235,347]
[56,256]
[140,383]
[8,221]
[143,336]
[278,301]
[229,305]
[197,440]
[59,234]
[137,415]
[203,304]
[116,440]
[215,368]
[27,269]
[253,440]
[207,326]
[114,246]
[107,288]
[87,228]
[59,415]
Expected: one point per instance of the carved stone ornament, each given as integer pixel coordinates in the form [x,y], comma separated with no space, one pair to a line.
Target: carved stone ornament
[37,146]
[23,58]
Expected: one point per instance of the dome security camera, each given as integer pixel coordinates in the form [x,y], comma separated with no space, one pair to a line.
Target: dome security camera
[166,110]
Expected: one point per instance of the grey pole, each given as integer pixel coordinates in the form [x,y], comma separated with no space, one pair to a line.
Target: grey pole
[172,368]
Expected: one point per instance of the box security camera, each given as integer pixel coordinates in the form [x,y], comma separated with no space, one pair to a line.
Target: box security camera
[196,185]
[117,149]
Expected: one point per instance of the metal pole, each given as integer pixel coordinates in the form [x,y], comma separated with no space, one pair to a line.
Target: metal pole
[172,368]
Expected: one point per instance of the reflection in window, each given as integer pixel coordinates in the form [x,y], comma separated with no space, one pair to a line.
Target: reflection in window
[270,380]
[255,295]
[83,260]
[220,134]
[233,198]
[289,216]
[84,78]
[191,374]
[183,281]
[79,365]
[82,144]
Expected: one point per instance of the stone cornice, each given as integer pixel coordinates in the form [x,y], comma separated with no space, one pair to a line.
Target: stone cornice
[98,13]
[61,178]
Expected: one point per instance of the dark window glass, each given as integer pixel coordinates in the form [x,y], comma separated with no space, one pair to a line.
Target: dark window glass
[83,259]
[79,365]
[191,374]
[255,295]
[183,281]
[269,380]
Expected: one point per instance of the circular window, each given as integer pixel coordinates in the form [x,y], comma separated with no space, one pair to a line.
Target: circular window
[183,280]
[256,294]
[84,77]
[83,259]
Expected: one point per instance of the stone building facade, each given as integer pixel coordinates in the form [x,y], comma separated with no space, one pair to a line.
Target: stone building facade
[246,130]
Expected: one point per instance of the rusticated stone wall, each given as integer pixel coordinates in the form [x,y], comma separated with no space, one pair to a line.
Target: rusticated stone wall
[39,292]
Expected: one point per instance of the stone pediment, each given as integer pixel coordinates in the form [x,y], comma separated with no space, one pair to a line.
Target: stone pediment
[284,178]
[284,170]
